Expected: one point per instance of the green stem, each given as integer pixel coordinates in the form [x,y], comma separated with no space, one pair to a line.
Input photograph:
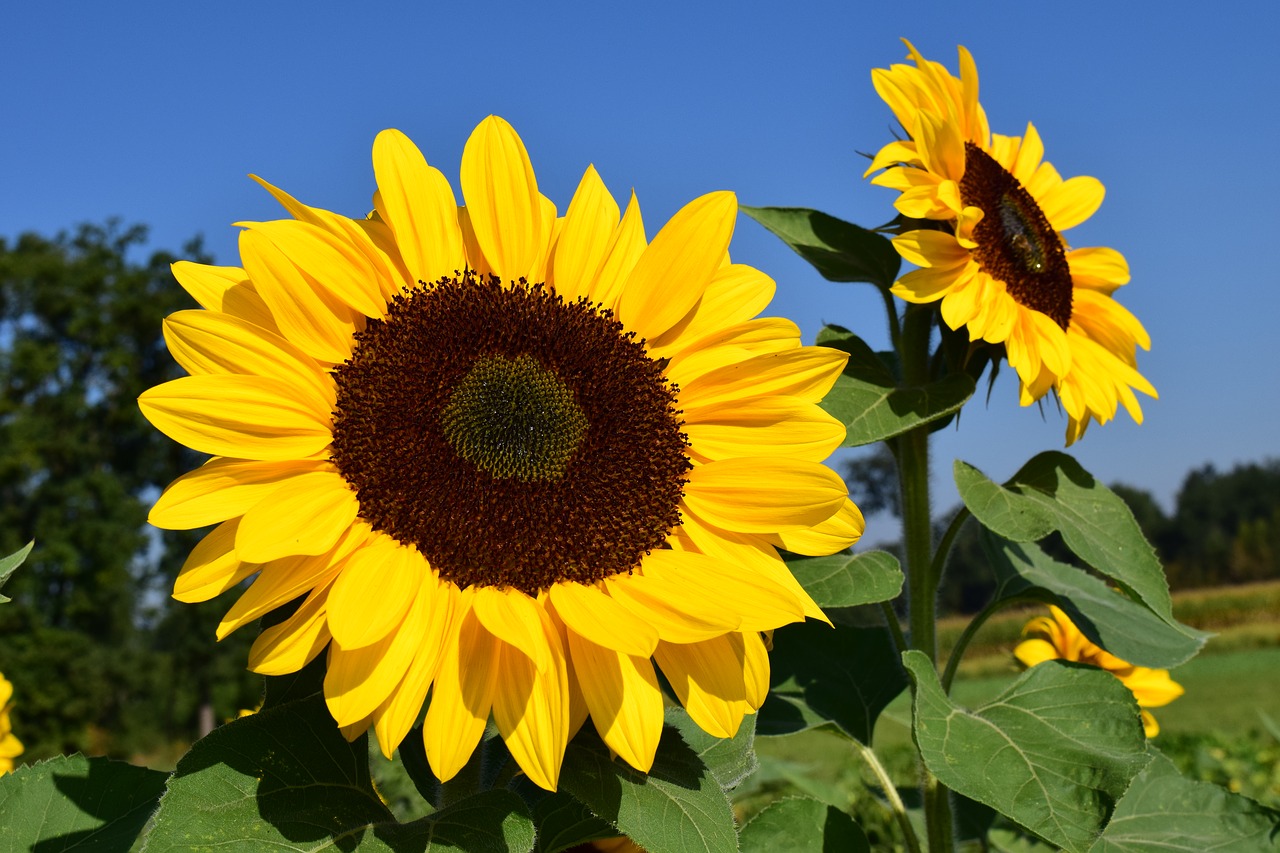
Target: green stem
[891,310]
[895,627]
[944,547]
[917,535]
[953,660]
[891,794]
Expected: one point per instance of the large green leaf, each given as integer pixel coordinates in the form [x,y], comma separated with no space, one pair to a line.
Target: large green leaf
[286,779]
[677,806]
[1053,491]
[1106,616]
[868,401]
[839,250]
[844,675]
[563,822]
[1054,752]
[803,826]
[1164,812]
[77,803]
[730,760]
[843,580]
[11,562]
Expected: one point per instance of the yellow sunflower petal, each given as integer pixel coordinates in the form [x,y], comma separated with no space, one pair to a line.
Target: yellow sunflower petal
[835,534]
[756,660]
[764,494]
[805,372]
[212,567]
[357,681]
[1072,202]
[589,224]
[295,642]
[663,603]
[589,612]
[736,294]
[1153,688]
[516,619]
[244,417]
[224,289]
[766,426]
[327,262]
[674,271]
[502,199]
[623,696]
[531,707]
[373,592]
[401,711]
[758,602]
[625,248]
[212,342]
[1034,651]
[418,205]
[222,489]
[461,696]
[304,515]
[1098,268]
[709,679]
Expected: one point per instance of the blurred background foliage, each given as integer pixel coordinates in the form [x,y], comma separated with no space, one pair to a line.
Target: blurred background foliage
[104,662]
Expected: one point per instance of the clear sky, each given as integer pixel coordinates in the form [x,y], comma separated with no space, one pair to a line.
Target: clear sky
[156,112]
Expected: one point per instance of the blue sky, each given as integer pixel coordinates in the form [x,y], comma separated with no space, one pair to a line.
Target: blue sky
[156,112]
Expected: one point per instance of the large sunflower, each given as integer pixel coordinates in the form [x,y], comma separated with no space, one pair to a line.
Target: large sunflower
[1001,267]
[1056,637]
[506,457]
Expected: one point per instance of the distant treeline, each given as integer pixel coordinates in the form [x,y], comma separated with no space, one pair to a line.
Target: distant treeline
[1224,529]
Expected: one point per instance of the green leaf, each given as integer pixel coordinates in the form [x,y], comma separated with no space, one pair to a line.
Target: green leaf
[1164,811]
[803,826]
[1096,524]
[677,805]
[841,580]
[730,760]
[1054,752]
[844,675]
[286,779]
[1109,618]
[11,562]
[563,822]
[839,250]
[77,803]
[867,400]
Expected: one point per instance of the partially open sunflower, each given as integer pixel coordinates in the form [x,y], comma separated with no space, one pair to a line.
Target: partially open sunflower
[1002,267]
[502,457]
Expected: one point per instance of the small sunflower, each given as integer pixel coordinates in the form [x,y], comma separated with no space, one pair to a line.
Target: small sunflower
[1001,267]
[507,457]
[10,746]
[1057,638]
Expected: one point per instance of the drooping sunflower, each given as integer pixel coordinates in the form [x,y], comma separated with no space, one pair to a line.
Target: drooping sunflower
[1002,267]
[1056,637]
[510,458]
[10,746]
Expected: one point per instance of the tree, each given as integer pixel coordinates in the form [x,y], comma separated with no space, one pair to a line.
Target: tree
[80,339]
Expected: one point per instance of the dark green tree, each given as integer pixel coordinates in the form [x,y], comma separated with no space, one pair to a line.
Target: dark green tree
[80,339]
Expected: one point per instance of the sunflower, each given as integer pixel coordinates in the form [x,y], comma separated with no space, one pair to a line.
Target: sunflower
[1001,266]
[507,457]
[10,746]
[1059,639]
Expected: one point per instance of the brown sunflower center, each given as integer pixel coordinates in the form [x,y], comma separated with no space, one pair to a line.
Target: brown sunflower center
[1016,243]
[516,439]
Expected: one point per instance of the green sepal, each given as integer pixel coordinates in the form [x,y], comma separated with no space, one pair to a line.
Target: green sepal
[838,250]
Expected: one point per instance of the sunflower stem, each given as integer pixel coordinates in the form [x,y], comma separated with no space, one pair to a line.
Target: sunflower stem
[917,533]
[953,660]
[909,838]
